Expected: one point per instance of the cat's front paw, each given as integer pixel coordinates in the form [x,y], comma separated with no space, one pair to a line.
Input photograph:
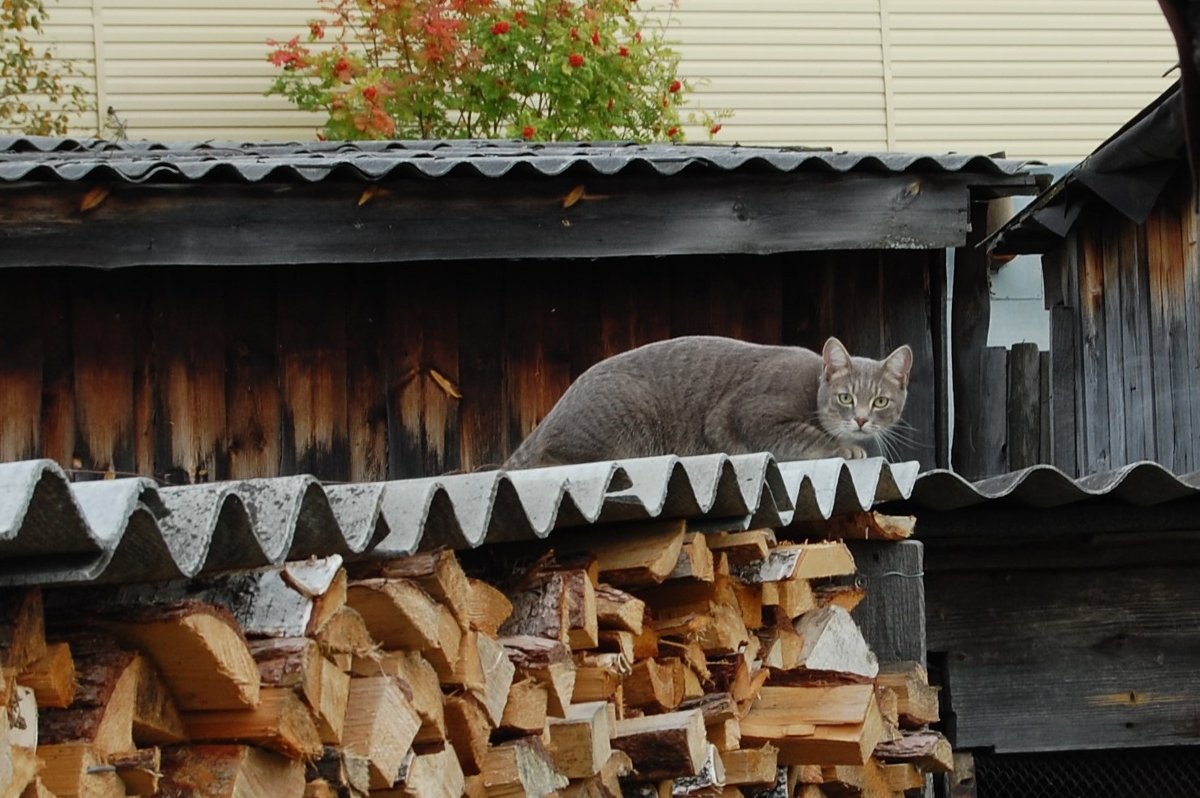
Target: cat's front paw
[851,451]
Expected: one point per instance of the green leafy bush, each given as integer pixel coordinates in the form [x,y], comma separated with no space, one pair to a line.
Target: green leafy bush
[533,69]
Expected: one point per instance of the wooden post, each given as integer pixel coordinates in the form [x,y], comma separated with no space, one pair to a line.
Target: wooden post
[970,316]
[1024,397]
[892,615]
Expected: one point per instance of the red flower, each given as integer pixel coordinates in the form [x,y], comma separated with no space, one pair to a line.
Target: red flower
[528,132]
[637,37]
[343,70]
[521,19]
[611,103]
[316,29]
[596,38]
[672,132]
[369,92]
[675,86]
[624,51]
[575,59]
[715,129]
[574,34]
[500,28]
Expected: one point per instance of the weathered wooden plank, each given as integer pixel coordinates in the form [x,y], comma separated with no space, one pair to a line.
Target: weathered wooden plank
[253,412]
[969,320]
[439,377]
[538,347]
[1110,253]
[1063,418]
[1099,658]
[1136,343]
[189,375]
[367,381]
[1158,266]
[905,318]
[892,615]
[633,296]
[1173,253]
[939,311]
[483,430]
[744,299]
[312,373]
[58,373]
[1190,233]
[461,216]
[402,358]
[1024,406]
[1094,355]
[1071,271]
[690,307]
[1077,551]
[1045,442]
[21,359]
[102,346]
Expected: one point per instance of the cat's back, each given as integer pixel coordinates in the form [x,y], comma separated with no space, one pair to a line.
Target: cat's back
[686,357]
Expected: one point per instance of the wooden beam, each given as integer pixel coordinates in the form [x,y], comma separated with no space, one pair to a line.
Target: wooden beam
[467,217]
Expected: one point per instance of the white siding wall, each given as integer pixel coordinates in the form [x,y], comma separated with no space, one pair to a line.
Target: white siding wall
[1036,78]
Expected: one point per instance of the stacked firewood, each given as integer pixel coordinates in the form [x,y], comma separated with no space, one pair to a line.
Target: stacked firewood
[637,660]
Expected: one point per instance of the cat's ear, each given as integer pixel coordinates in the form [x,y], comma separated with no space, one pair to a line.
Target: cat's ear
[899,363]
[835,356]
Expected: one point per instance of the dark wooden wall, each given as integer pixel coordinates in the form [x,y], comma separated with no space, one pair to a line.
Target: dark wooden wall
[384,372]
[1125,336]
[1066,643]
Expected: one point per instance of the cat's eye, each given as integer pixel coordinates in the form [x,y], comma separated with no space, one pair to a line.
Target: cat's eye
[880,402]
[846,398]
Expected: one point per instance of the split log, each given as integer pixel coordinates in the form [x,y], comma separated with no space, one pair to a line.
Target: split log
[299,664]
[141,770]
[549,662]
[498,673]
[541,610]
[440,575]
[281,723]
[347,774]
[433,775]
[23,779]
[751,766]
[345,634]
[380,726]
[22,630]
[400,615]
[902,777]
[618,610]
[629,554]
[845,596]
[695,559]
[228,771]
[928,750]
[77,769]
[838,725]
[579,743]
[859,526]
[52,677]
[606,783]
[655,685]
[918,702]
[833,644]
[468,729]
[522,769]
[664,746]
[598,676]
[487,608]
[525,710]
[743,547]
[424,690]
[199,650]
[709,781]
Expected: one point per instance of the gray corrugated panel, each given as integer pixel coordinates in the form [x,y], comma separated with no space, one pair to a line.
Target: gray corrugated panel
[35,158]
[53,531]
[1143,483]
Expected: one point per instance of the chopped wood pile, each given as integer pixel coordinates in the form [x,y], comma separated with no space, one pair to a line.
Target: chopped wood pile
[642,660]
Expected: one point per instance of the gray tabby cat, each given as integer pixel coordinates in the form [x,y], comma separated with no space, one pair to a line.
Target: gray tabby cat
[703,394]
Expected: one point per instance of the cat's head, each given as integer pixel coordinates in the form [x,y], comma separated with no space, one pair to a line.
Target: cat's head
[860,398]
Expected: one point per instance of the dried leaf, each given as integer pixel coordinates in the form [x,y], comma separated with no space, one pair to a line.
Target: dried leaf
[93,198]
[445,384]
[371,192]
[575,196]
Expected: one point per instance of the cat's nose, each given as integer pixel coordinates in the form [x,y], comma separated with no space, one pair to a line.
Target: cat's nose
[862,422]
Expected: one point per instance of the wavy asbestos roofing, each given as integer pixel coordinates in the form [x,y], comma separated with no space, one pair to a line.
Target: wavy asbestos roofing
[65,159]
[53,531]
[125,530]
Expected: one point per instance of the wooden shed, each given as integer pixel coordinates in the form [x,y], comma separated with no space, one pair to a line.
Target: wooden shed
[1118,237]
[396,309]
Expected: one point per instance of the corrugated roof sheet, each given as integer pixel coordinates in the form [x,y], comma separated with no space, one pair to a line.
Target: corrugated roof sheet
[40,158]
[55,531]
[1144,483]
